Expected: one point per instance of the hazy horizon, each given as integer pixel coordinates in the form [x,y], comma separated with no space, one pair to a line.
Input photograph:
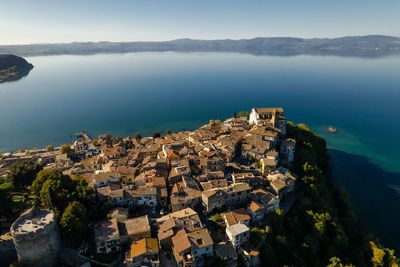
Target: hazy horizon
[183,38]
[45,21]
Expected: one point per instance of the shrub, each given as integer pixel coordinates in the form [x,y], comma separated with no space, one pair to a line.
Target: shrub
[156,135]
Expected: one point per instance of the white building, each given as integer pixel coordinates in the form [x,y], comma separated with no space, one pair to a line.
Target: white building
[79,148]
[270,117]
[238,234]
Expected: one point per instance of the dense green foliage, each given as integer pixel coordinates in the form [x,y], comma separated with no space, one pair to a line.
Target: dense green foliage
[138,136]
[156,135]
[243,114]
[217,218]
[66,149]
[168,131]
[95,142]
[257,235]
[49,148]
[56,190]
[321,228]
[5,199]
[219,222]
[70,198]
[73,222]
[12,203]
[22,173]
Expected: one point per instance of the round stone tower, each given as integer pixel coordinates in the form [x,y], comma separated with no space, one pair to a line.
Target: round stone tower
[36,238]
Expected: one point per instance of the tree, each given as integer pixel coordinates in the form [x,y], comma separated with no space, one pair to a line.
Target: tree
[23,173]
[56,190]
[56,194]
[95,142]
[252,158]
[53,189]
[156,135]
[1,154]
[74,221]
[217,218]
[49,148]
[258,164]
[276,219]
[234,114]
[84,193]
[382,256]
[5,199]
[256,236]
[66,149]
[138,136]
[320,220]
[168,131]
[335,262]
[243,114]
[41,178]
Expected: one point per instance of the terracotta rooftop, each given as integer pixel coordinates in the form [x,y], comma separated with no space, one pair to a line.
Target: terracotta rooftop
[181,242]
[134,226]
[142,246]
[268,110]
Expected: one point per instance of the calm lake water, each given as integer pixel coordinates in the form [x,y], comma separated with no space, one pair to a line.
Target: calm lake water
[123,94]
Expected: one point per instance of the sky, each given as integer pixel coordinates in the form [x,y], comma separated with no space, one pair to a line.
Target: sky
[55,21]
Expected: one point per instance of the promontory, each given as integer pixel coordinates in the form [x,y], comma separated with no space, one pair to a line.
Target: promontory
[13,67]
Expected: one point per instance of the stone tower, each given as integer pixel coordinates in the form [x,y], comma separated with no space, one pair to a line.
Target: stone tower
[36,238]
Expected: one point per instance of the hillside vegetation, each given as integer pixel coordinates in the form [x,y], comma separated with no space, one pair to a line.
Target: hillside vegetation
[321,229]
[13,68]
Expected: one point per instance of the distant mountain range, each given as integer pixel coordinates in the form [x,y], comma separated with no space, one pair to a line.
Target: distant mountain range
[356,46]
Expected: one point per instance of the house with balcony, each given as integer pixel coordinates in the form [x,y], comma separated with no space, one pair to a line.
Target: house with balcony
[192,249]
[107,237]
[168,225]
[256,210]
[238,234]
[231,195]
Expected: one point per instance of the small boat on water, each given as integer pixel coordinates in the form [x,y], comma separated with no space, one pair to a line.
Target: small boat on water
[332,129]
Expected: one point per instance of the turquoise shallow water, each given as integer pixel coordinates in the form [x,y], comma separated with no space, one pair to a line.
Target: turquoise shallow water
[123,94]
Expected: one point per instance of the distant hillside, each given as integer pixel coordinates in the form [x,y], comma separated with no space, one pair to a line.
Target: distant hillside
[13,68]
[357,46]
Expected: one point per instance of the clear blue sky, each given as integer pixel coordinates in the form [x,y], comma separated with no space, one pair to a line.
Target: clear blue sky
[52,21]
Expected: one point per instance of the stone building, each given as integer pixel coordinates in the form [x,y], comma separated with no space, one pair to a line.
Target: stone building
[36,238]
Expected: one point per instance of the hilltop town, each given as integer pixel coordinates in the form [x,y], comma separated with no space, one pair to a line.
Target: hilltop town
[184,199]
